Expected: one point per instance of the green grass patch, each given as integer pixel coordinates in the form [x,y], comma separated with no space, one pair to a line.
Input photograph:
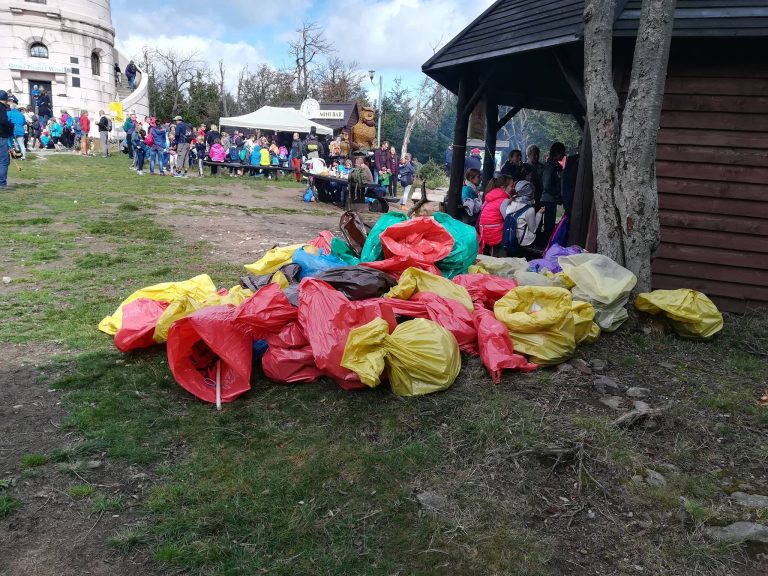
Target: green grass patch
[8,505]
[103,503]
[81,491]
[33,460]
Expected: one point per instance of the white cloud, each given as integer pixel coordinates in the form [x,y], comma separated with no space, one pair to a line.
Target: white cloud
[397,34]
[234,54]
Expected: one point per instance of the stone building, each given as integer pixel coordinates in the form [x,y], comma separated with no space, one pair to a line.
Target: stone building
[68,47]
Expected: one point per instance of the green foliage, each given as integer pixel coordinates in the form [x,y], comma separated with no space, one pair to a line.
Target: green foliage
[434,174]
[103,503]
[80,491]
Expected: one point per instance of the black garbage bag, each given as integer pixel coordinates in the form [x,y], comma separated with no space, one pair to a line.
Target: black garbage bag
[358,282]
[252,282]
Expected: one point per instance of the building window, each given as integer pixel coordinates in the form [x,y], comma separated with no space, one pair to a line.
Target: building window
[38,50]
[95,64]
[76,82]
[75,70]
[74,60]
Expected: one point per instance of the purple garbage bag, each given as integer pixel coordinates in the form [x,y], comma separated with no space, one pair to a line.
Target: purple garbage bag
[549,261]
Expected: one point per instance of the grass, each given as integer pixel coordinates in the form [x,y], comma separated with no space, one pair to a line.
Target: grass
[312,480]
[8,505]
[33,460]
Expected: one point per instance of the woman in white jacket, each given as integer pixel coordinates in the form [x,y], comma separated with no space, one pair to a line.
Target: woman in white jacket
[528,221]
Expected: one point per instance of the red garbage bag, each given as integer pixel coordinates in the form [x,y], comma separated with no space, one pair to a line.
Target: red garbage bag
[485,289]
[399,264]
[323,241]
[450,314]
[201,340]
[138,326]
[289,358]
[496,349]
[265,312]
[423,239]
[327,316]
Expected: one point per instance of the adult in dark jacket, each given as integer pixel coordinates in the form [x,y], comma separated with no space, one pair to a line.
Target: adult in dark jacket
[212,135]
[533,154]
[552,193]
[406,174]
[312,145]
[474,161]
[513,164]
[130,74]
[380,159]
[6,129]
[105,125]
[183,138]
[297,150]
[44,109]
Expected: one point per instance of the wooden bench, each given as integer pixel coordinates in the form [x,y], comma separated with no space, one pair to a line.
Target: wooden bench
[249,167]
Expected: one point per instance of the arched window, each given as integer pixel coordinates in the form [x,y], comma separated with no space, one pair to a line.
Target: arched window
[38,50]
[95,64]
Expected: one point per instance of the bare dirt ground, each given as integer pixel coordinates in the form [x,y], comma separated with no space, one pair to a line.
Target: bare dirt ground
[59,536]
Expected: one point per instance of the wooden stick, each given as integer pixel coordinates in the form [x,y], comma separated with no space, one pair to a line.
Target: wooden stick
[218,384]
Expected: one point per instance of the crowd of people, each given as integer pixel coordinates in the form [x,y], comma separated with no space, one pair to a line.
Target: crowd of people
[518,208]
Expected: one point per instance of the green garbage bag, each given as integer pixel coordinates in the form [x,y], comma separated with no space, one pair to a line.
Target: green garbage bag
[340,249]
[372,249]
[464,252]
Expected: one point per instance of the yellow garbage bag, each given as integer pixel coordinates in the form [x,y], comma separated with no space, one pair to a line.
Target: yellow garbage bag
[477,269]
[586,330]
[200,288]
[601,282]
[540,322]
[273,260]
[182,308]
[691,314]
[420,356]
[415,280]
[504,267]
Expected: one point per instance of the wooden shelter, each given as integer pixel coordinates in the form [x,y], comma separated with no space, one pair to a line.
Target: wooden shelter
[712,154]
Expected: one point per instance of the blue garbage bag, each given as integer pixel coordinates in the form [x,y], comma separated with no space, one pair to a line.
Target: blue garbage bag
[312,264]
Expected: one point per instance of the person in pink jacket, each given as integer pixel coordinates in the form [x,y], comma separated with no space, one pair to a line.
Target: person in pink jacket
[217,153]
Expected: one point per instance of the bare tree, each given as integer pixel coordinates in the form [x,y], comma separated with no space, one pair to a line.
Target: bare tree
[429,97]
[624,151]
[310,44]
[177,72]
[338,81]
[222,91]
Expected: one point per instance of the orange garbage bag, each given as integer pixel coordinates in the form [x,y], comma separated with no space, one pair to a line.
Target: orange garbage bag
[323,241]
[422,239]
[206,343]
[496,349]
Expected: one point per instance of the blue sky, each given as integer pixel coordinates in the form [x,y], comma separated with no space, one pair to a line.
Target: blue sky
[396,37]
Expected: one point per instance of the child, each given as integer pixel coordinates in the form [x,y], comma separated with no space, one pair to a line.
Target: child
[217,154]
[264,159]
[528,219]
[384,178]
[469,200]
[172,160]
[200,152]
[140,149]
[234,158]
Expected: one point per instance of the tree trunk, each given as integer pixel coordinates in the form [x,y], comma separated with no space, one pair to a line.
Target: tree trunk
[603,113]
[624,155]
[636,192]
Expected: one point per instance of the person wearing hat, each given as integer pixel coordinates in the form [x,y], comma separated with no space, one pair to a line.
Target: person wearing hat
[474,160]
[528,219]
[6,129]
[183,138]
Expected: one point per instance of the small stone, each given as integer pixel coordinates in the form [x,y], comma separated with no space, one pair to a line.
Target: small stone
[637,479]
[667,365]
[613,402]
[94,464]
[18,406]
[650,424]
[607,383]
[746,487]
[655,478]
[640,405]
[431,500]
[739,532]
[565,367]
[591,515]
[140,477]
[637,392]
[750,500]
[581,366]
[597,364]
[7,280]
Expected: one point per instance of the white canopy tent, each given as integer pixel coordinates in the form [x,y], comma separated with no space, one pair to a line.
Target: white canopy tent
[275,119]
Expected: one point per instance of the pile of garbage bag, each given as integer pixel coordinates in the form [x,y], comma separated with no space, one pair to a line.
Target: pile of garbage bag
[399,308]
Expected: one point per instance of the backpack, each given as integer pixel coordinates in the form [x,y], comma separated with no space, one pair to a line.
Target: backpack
[509,233]
[78,126]
[356,178]
[243,155]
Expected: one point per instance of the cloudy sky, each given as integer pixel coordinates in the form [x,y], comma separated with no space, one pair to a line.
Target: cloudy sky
[393,37]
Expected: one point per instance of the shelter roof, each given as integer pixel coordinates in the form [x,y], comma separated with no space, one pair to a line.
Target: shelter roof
[513,26]
[347,108]
[275,119]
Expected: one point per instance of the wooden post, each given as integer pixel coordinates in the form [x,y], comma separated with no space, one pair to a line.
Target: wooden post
[491,128]
[459,149]
[581,210]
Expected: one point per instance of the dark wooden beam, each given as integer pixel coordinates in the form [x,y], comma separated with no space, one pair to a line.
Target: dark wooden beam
[507,117]
[581,209]
[570,78]
[459,149]
[476,95]
[491,128]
